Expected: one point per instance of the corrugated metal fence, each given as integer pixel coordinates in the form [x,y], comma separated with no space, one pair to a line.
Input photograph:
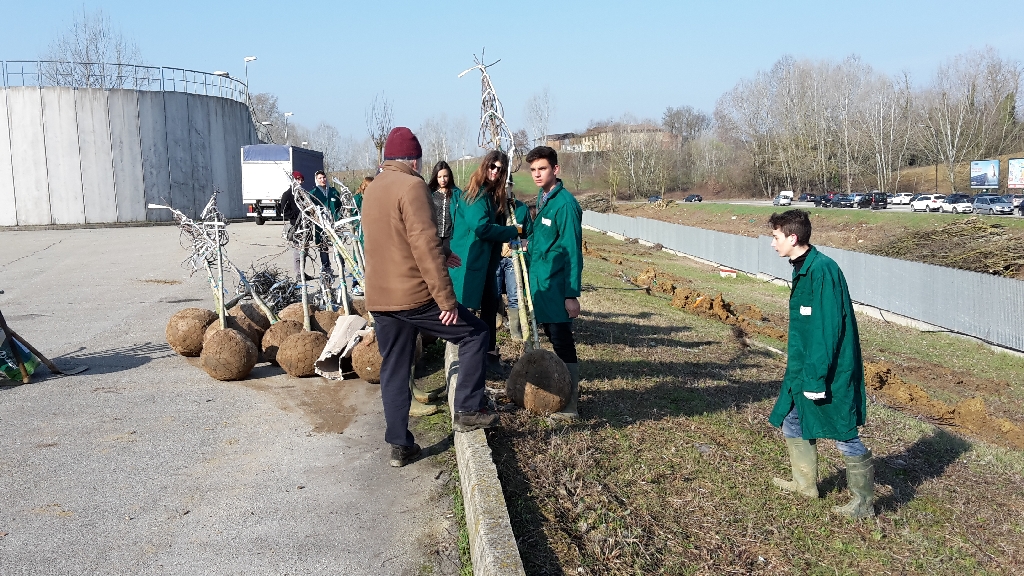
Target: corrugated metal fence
[986,307]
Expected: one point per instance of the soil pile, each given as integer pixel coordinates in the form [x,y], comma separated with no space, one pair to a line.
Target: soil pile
[746,316]
[969,414]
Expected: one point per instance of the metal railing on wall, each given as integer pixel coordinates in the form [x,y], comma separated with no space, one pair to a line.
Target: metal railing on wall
[993,310]
[43,73]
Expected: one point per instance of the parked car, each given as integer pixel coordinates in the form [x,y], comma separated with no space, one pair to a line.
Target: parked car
[694,198]
[903,198]
[857,197]
[992,205]
[927,203]
[653,199]
[811,197]
[824,200]
[781,200]
[842,201]
[875,201]
[956,204]
[1016,199]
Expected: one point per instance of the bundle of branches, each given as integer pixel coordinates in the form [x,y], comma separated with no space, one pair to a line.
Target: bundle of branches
[970,244]
[274,287]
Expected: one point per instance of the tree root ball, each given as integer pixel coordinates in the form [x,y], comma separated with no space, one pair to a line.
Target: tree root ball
[276,335]
[243,325]
[253,313]
[228,355]
[539,382]
[187,328]
[358,305]
[324,320]
[299,351]
[366,359]
[294,312]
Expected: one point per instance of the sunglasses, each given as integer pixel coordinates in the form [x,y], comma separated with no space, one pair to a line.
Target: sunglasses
[494,166]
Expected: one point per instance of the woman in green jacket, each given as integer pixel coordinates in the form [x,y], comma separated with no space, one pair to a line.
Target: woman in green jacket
[478,231]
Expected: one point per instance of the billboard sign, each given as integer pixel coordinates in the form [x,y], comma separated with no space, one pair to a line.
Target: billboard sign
[985,174]
[1015,173]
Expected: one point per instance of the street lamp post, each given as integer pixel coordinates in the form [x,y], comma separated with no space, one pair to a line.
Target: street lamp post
[286,116]
[247,60]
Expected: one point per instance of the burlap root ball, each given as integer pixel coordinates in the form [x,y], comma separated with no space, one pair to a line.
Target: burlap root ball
[366,359]
[358,305]
[242,324]
[299,351]
[277,334]
[253,313]
[324,320]
[294,312]
[228,355]
[186,330]
[539,382]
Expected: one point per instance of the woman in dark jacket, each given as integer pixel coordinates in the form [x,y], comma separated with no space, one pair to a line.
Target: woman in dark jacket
[478,231]
[443,190]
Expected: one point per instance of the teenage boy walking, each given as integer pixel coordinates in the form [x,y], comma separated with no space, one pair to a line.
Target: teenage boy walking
[823,393]
[555,252]
[408,289]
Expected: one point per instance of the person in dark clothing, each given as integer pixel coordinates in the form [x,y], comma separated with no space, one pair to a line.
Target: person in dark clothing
[290,214]
[443,191]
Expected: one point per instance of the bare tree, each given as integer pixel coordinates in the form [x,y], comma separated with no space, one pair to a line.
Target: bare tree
[265,109]
[92,53]
[379,122]
[538,116]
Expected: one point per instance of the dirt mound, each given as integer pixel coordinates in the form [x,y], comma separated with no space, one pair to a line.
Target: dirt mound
[298,352]
[294,312]
[658,281]
[252,313]
[969,414]
[746,316]
[970,244]
[276,335]
[595,203]
[366,359]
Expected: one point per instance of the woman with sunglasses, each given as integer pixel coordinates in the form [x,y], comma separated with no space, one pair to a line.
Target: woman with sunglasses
[478,231]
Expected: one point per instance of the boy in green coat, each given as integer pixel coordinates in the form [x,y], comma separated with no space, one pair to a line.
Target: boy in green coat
[555,252]
[329,198]
[823,394]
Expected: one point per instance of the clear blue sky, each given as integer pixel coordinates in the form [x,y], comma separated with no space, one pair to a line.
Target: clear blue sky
[600,59]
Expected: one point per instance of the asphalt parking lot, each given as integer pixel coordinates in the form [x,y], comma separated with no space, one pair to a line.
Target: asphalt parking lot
[145,465]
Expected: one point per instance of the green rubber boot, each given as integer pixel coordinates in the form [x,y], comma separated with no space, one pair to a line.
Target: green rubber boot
[514,325]
[570,413]
[860,477]
[803,458]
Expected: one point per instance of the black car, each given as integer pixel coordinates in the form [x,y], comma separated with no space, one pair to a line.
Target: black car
[875,201]
[805,197]
[653,199]
[842,201]
[694,198]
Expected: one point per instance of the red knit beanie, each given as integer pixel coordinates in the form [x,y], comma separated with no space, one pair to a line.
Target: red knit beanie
[401,144]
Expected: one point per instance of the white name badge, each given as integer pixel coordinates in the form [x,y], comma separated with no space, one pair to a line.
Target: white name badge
[805,310]
[547,222]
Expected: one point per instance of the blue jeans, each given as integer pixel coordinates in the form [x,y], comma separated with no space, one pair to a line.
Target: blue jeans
[850,448]
[506,277]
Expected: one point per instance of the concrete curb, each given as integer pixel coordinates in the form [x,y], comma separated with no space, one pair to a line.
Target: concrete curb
[491,542]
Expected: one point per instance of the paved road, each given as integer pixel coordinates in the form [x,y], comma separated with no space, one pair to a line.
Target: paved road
[145,465]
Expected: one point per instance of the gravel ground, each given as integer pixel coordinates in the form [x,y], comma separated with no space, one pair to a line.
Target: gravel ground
[145,465]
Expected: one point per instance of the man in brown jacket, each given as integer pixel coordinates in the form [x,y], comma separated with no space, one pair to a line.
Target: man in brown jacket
[408,289]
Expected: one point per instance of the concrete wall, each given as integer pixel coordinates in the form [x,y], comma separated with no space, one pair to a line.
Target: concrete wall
[75,156]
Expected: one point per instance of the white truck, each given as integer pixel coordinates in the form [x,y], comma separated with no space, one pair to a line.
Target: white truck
[265,170]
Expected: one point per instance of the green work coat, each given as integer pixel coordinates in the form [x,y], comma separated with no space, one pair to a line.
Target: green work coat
[824,354]
[555,254]
[477,237]
[331,200]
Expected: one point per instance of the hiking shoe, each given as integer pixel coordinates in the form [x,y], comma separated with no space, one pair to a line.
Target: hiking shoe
[469,421]
[402,455]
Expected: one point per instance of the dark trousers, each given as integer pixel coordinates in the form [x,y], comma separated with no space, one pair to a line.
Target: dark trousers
[560,335]
[489,305]
[396,339]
